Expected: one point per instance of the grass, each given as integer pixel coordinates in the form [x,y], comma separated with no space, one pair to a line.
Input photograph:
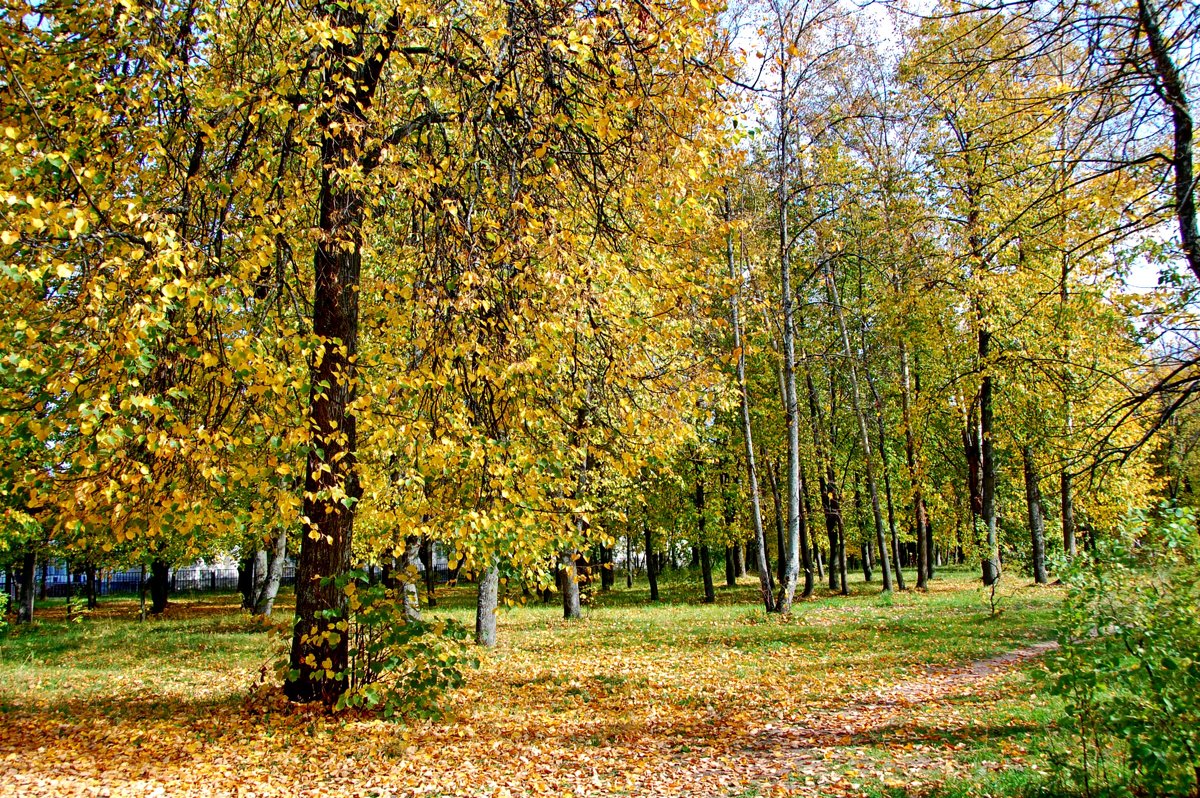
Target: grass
[670,698]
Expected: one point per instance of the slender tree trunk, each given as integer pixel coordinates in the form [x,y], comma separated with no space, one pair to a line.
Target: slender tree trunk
[864,436]
[991,564]
[910,458]
[805,551]
[570,585]
[265,601]
[780,523]
[651,566]
[141,591]
[765,585]
[44,587]
[787,589]
[1037,524]
[1068,514]
[705,557]
[866,543]
[93,600]
[730,571]
[841,546]
[429,562]
[28,587]
[487,606]
[1171,87]
[410,577]
[629,560]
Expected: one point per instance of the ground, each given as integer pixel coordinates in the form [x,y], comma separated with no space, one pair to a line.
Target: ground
[909,694]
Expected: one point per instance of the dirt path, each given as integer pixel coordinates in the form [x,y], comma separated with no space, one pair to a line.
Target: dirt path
[916,724]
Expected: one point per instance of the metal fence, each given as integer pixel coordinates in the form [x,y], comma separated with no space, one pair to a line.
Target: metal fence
[128,582]
[190,581]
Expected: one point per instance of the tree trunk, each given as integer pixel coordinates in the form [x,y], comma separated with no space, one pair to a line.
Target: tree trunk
[765,585]
[651,566]
[429,562]
[486,607]
[924,553]
[864,436]
[570,585]
[1171,87]
[159,587]
[28,587]
[991,564]
[730,570]
[866,543]
[265,601]
[705,556]
[44,587]
[607,577]
[841,546]
[780,522]
[141,591]
[629,559]
[331,484]
[93,600]
[410,577]
[1037,524]
[787,589]
[1068,514]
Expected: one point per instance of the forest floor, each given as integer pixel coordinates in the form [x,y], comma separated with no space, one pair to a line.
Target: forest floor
[907,694]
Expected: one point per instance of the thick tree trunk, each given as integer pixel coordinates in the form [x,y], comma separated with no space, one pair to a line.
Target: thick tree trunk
[159,587]
[265,602]
[865,554]
[570,585]
[607,577]
[1037,524]
[730,570]
[486,607]
[28,587]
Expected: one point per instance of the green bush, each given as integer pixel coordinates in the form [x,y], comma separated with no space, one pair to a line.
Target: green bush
[398,666]
[1129,667]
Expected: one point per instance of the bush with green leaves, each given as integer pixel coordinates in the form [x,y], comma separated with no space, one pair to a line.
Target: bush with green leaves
[1129,666]
[398,666]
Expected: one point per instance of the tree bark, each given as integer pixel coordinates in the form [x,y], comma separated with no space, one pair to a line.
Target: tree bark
[93,600]
[28,587]
[265,602]
[780,522]
[570,585]
[1068,514]
[864,436]
[651,566]
[991,564]
[787,589]
[765,584]
[705,556]
[1171,87]
[410,577]
[159,587]
[1037,524]
[486,607]
[910,458]
[730,571]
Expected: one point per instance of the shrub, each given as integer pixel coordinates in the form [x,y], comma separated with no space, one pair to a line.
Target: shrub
[397,666]
[1129,667]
